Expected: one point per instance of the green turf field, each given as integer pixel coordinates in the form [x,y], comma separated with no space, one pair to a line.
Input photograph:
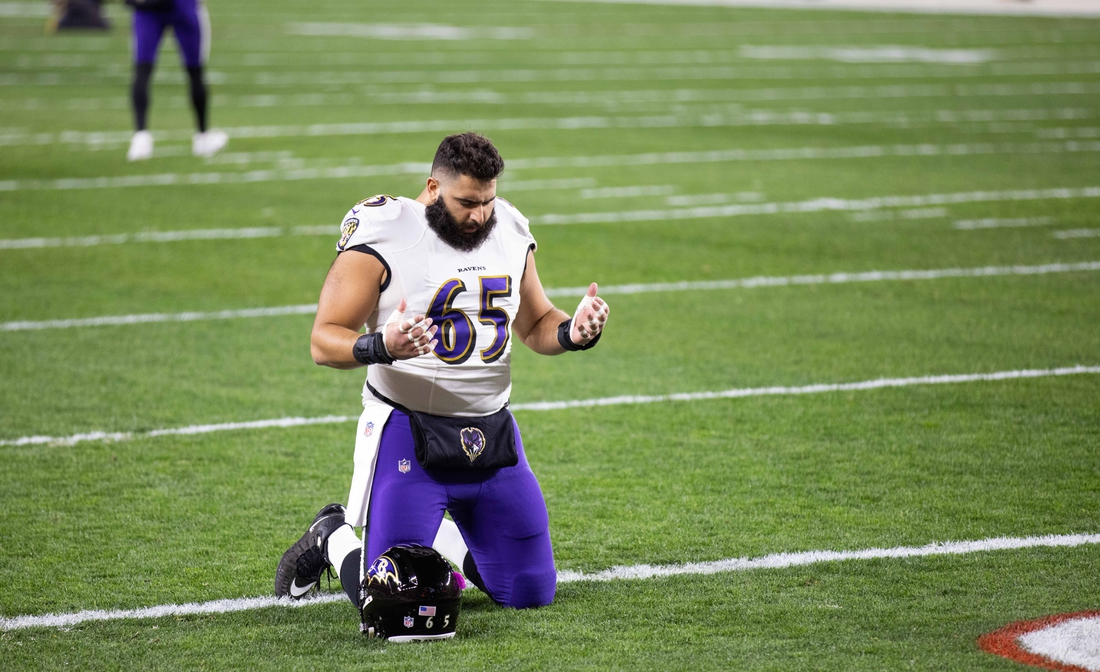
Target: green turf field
[648,145]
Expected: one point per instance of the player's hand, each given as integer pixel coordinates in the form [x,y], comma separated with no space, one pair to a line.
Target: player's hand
[410,338]
[590,318]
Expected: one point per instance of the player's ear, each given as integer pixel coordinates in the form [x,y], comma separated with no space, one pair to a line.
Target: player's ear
[433,187]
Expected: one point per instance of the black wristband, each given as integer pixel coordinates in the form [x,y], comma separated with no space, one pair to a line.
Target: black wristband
[371,349]
[564,341]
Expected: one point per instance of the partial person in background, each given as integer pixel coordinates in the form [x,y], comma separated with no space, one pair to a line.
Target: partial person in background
[191,24]
[78,15]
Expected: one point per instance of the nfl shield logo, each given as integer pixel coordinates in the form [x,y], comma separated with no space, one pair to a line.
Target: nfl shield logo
[409,621]
[403,466]
[369,429]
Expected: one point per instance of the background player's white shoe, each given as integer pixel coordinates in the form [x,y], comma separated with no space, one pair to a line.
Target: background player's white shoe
[141,146]
[208,143]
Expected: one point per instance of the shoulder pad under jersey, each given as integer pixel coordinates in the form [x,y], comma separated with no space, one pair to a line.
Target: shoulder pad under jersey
[514,219]
[361,225]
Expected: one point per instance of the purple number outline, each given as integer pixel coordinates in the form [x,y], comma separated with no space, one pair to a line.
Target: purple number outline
[443,314]
[491,315]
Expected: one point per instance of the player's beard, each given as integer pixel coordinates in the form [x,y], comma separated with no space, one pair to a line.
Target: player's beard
[443,223]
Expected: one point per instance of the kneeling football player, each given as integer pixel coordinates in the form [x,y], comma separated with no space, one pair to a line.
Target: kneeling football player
[442,283]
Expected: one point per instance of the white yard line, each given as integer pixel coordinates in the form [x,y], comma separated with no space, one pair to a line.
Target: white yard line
[1077,132]
[226,606]
[1002,223]
[732,117]
[715,199]
[245,158]
[806,389]
[313,79]
[619,573]
[830,279]
[1051,8]
[244,177]
[875,54]
[820,388]
[145,318]
[616,98]
[155,237]
[801,559]
[683,286]
[272,175]
[537,163]
[254,59]
[281,423]
[422,32]
[888,215]
[816,205]
[611,73]
[645,190]
[1077,233]
[252,232]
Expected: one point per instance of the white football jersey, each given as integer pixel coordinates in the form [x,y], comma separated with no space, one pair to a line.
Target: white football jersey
[471,296]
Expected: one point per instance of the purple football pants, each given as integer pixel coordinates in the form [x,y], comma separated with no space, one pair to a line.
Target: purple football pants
[186,23]
[500,513]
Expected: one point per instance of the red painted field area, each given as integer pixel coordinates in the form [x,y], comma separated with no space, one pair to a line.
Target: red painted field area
[1068,642]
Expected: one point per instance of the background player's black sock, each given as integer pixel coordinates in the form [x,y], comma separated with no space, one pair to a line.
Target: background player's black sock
[349,575]
[198,96]
[139,93]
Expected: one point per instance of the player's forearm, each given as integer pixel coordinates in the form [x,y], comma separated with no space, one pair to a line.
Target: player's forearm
[543,337]
[333,345]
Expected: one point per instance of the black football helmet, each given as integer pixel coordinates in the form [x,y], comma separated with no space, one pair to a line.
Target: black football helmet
[409,594]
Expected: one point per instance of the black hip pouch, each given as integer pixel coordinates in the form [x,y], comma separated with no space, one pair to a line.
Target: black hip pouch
[461,444]
[464,444]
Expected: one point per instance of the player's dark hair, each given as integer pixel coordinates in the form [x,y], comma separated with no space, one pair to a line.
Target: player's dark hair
[468,154]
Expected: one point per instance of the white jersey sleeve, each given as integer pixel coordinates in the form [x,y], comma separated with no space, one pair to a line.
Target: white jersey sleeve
[365,222]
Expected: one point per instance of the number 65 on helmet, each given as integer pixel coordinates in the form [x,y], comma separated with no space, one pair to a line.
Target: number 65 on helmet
[409,594]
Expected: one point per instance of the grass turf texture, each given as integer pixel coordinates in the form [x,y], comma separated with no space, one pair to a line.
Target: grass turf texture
[895,614]
[180,519]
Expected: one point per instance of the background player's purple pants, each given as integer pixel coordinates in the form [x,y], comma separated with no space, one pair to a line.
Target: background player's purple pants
[500,513]
[187,24]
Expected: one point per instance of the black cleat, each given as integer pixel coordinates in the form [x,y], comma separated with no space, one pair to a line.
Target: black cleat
[301,566]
